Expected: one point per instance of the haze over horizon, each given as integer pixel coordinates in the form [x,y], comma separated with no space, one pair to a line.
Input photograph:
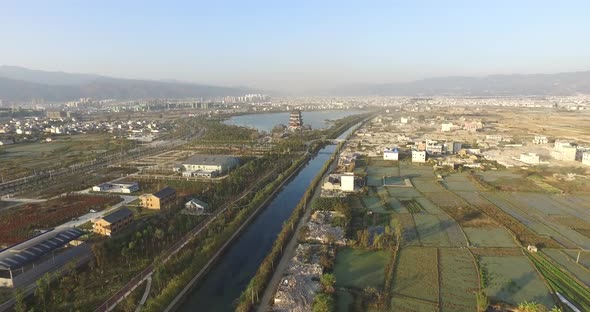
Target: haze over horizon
[296,46]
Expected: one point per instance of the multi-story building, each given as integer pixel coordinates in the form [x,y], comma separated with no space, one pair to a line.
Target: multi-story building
[586,158]
[295,120]
[113,223]
[447,127]
[162,199]
[391,154]
[540,139]
[419,156]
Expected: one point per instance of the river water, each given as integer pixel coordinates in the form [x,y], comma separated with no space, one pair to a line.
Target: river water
[226,280]
[265,122]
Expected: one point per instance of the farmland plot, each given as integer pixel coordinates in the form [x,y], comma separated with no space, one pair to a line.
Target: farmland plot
[359,268]
[429,206]
[396,205]
[404,192]
[427,185]
[459,280]
[513,279]
[374,204]
[489,237]
[430,230]
[416,275]
[410,233]
[565,261]
[459,182]
[584,257]
[406,304]
[453,230]
[374,180]
[445,199]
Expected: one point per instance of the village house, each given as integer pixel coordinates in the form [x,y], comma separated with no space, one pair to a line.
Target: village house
[162,199]
[196,206]
[113,223]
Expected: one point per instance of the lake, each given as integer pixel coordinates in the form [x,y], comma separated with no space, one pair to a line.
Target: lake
[267,121]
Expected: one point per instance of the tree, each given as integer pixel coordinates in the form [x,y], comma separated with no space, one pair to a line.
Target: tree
[323,303]
[42,290]
[482,301]
[19,301]
[328,281]
[532,307]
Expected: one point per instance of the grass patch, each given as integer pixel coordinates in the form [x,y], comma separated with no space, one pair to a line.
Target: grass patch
[359,268]
[416,275]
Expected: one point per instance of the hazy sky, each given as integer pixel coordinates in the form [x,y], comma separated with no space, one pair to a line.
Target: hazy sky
[296,44]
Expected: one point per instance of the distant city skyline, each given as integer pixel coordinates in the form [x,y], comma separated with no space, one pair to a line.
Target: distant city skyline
[296,46]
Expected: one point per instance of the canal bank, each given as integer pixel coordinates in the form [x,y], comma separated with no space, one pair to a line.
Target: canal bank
[228,277]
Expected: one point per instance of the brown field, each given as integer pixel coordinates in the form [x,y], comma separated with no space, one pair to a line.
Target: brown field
[15,228]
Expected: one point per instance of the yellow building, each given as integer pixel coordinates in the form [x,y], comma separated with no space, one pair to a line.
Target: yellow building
[162,199]
[113,223]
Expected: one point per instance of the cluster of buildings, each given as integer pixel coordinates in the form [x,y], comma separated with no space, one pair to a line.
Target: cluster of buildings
[56,124]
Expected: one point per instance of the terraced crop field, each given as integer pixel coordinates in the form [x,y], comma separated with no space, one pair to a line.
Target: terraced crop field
[416,275]
[489,237]
[513,279]
[459,280]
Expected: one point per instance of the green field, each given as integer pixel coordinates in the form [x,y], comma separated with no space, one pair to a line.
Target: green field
[459,280]
[430,231]
[416,275]
[344,300]
[460,182]
[489,237]
[404,192]
[410,233]
[427,185]
[358,268]
[513,279]
[374,204]
[406,304]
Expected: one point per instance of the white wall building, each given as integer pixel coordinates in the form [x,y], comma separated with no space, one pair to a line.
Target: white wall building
[419,156]
[530,158]
[447,127]
[347,182]
[124,188]
[586,158]
[540,139]
[391,154]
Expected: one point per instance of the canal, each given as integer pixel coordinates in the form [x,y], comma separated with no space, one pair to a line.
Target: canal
[226,280]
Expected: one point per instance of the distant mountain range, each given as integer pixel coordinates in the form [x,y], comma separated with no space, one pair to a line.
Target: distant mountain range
[22,84]
[570,83]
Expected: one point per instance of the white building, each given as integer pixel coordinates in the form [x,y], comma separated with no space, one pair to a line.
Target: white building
[419,156]
[197,206]
[347,182]
[565,151]
[447,127]
[586,158]
[404,120]
[391,154]
[207,165]
[125,188]
[540,139]
[530,158]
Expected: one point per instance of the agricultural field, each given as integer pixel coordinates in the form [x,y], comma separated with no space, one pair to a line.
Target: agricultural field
[460,182]
[416,277]
[565,261]
[403,192]
[427,185]
[509,181]
[375,204]
[21,159]
[358,268]
[459,280]
[562,282]
[14,228]
[513,280]
[410,234]
[489,237]
[431,231]
[584,257]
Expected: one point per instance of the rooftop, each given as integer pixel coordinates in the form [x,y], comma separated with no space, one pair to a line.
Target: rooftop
[165,192]
[19,255]
[117,215]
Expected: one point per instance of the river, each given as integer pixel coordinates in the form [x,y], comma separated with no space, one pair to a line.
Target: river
[226,280]
[267,121]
